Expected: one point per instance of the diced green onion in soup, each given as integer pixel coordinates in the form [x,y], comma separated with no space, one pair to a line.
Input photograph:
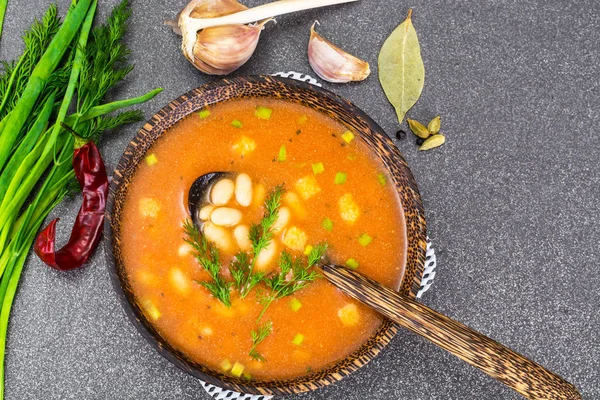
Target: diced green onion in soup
[295,304]
[308,249]
[348,136]
[318,168]
[282,153]
[340,178]
[237,369]
[364,240]
[151,159]
[327,224]
[236,123]
[263,112]
[298,339]
[203,114]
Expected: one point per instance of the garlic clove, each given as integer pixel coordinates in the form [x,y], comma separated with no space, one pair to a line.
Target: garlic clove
[223,49]
[332,63]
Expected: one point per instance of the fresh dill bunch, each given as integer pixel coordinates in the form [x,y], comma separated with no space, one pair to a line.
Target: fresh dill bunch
[104,65]
[99,125]
[295,273]
[105,60]
[15,75]
[59,79]
[207,256]
[258,336]
[260,235]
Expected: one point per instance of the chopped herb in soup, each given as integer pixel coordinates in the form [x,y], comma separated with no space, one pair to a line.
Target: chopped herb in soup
[241,292]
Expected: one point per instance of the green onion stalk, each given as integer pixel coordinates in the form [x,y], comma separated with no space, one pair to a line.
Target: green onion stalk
[3,4]
[64,65]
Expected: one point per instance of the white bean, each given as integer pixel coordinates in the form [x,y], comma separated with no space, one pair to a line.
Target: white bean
[179,280]
[225,216]
[241,236]
[283,218]
[206,331]
[205,211]
[185,249]
[265,257]
[243,190]
[221,192]
[218,235]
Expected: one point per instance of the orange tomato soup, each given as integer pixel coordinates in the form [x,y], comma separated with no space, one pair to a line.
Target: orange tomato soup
[336,192]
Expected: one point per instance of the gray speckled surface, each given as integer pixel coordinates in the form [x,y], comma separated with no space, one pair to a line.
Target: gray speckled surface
[512,200]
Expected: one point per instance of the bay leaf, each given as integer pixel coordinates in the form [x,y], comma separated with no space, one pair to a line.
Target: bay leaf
[401,70]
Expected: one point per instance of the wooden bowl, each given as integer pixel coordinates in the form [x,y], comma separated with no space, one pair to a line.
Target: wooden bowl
[288,90]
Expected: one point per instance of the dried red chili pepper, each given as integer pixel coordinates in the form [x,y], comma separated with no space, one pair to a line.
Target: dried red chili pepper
[87,231]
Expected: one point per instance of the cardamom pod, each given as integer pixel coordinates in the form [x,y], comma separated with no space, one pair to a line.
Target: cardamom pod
[433,142]
[434,125]
[418,128]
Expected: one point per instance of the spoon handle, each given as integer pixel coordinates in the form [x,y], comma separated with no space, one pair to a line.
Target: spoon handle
[266,11]
[514,370]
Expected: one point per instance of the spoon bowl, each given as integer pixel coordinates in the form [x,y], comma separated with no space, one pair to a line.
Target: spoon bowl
[200,192]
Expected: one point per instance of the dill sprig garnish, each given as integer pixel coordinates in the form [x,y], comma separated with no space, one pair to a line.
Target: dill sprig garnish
[207,255]
[241,271]
[295,273]
[260,235]
[258,336]
[242,266]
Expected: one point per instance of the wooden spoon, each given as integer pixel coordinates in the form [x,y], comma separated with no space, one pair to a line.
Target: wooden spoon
[517,372]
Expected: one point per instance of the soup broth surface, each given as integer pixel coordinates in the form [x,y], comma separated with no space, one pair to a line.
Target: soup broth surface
[337,192]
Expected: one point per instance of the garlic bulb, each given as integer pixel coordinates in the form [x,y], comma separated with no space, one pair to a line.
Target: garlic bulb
[215,37]
[219,50]
[222,50]
[332,63]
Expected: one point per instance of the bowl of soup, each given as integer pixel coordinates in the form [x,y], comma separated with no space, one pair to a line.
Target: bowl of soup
[233,294]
